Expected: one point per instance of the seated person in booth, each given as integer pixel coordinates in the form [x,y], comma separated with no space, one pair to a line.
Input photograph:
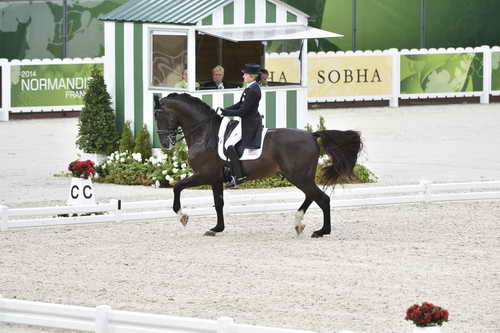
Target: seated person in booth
[217,81]
[182,84]
[264,75]
[251,122]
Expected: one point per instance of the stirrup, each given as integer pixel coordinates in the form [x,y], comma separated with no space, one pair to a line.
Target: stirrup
[236,181]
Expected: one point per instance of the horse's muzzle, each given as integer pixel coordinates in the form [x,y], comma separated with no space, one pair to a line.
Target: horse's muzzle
[168,138]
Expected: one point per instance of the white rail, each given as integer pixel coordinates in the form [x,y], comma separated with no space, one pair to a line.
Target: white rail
[117,211]
[103,319]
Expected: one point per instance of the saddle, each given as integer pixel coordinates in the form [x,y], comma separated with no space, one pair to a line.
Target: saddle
[230,135]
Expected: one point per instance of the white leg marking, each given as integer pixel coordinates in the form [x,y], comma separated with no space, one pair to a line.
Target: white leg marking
[299,216]
[183,218]
[299,227]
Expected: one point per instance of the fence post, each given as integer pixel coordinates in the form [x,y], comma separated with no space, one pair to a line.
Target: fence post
[225,325]
[101,319]
[4,218]
[485,96]
[4,89]
[426,190]
[396,84]
[117,210]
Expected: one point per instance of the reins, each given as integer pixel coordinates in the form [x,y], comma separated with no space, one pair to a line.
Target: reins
[193,129]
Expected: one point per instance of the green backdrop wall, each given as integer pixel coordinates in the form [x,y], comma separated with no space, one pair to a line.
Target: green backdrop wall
[36,29]
[31,30]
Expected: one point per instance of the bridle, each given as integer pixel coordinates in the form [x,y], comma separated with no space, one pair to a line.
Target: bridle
[173,132]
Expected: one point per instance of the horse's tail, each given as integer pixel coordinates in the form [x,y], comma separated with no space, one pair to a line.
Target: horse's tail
[343,147]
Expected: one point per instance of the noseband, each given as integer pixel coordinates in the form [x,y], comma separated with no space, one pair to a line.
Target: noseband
[171,135]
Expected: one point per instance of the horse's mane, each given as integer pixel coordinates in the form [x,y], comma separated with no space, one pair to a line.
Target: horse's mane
[187,98]
[204,108]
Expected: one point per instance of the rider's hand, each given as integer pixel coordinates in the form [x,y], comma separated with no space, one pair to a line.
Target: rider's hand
[219,111]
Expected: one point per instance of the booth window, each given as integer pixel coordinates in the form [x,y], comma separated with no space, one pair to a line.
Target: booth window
[169,60]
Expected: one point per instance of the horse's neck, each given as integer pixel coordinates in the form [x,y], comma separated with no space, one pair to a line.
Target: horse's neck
[196,126]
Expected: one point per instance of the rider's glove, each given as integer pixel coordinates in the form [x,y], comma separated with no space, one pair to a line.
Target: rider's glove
[219,111]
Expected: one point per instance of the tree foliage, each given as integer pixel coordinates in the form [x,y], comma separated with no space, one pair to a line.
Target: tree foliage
[97,131]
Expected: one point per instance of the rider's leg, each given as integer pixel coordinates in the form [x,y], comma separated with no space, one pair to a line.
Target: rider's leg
[236,169]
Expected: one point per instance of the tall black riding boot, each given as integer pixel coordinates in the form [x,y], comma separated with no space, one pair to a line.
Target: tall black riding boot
[236,169]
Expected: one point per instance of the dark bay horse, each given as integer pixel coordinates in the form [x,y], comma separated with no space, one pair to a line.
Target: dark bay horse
[293,153]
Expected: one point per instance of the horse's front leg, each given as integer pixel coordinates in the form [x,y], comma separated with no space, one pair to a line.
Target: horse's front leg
[218,192]
[194,180]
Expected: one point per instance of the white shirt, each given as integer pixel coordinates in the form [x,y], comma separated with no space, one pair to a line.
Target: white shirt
[251,83]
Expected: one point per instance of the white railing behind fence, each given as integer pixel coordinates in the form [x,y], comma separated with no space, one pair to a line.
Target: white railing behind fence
[103,319]
[395,92]
[393,96]
[118,211]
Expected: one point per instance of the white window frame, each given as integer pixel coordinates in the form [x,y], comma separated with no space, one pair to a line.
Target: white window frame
[157,31]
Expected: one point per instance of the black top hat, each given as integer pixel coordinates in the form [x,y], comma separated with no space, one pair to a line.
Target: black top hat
[251,69]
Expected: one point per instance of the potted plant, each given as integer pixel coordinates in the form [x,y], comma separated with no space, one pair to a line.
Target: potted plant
[81,190]
[427,317]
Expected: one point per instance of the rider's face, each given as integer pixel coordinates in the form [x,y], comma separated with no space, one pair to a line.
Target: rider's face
[247,78]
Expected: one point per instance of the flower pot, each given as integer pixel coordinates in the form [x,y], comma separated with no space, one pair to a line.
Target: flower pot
[81,192]
[430,329]
[96,158]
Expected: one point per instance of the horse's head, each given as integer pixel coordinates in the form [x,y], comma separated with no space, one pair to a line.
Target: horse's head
[166,121]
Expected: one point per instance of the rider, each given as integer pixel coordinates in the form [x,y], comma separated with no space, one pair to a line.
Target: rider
[251,122]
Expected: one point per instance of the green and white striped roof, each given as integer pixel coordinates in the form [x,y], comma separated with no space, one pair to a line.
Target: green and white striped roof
[164,11]
[192,12]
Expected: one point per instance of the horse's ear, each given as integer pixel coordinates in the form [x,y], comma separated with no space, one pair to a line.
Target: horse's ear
[157,101]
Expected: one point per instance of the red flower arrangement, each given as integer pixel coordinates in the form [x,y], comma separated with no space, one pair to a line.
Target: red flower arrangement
[426,315]
[82,169]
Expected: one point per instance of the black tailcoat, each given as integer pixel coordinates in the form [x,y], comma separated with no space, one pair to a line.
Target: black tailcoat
[251,120]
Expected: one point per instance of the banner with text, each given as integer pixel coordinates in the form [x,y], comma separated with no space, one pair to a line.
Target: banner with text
[440,73]
[495,71]
[343,76]
[50,85]
[283,68]
[336,76]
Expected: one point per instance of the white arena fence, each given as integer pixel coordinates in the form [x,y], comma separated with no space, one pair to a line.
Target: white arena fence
[103,319]
[283,201]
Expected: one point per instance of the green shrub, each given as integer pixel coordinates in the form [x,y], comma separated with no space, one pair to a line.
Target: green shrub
[143,143]
[127,139]
[364,175]
[97,131]
[126,169]
[131,169]
[321,127]
[172,165]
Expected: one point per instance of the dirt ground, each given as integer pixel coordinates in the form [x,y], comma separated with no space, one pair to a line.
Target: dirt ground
[378,261]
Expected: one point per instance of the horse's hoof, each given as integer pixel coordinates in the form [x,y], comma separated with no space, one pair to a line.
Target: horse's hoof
[299,228]
[183,219]
[210,233]
[319,233]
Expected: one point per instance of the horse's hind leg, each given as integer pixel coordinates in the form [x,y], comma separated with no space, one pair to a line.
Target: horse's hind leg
[323,202]
[313,193]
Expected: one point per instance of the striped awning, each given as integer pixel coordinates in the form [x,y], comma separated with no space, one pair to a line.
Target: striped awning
[164,11]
